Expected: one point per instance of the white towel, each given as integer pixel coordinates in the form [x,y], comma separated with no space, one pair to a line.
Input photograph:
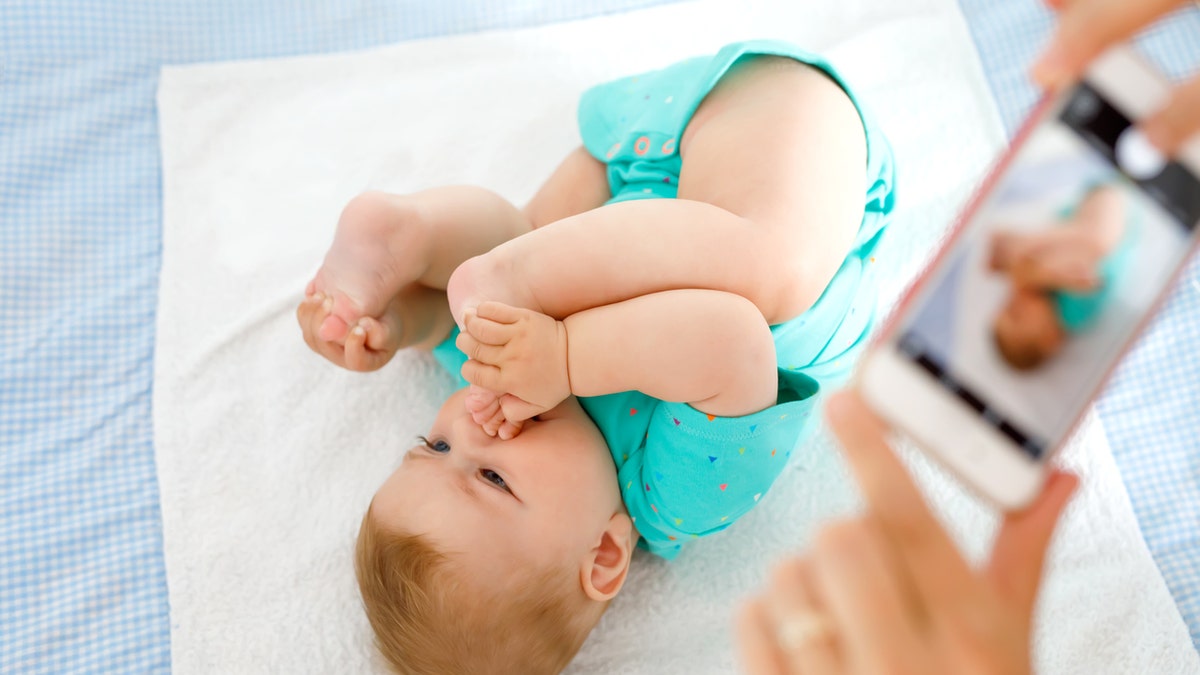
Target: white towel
[268,455]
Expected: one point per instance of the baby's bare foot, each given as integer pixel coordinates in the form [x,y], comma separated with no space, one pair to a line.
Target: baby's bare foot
[484,406]
[368,345]
[495,275]
[371,259]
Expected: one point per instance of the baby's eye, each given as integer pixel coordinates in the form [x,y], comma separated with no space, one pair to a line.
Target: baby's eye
[494,478]
[437,445]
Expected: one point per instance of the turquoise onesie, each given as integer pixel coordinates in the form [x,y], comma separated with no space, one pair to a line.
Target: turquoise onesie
[684,474]
[1077,311]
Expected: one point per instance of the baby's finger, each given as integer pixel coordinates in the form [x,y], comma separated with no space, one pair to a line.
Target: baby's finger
[487,331]
[483,375]
[379,335]
[355,350]
[489,354]
[500,312]
[1172,126]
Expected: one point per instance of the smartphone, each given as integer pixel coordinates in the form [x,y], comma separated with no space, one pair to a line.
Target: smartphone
[991,358]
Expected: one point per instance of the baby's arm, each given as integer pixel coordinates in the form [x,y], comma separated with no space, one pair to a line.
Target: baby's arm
[710,349]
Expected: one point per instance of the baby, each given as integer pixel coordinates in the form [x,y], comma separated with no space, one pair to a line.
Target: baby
[1062,278]
[647,338]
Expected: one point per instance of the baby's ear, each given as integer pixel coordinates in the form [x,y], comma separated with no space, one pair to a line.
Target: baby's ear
[603,571]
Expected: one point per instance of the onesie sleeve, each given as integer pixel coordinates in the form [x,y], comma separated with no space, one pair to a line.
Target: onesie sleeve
[695,474]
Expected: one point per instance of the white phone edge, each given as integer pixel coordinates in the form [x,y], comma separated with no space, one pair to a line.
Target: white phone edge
[912,401]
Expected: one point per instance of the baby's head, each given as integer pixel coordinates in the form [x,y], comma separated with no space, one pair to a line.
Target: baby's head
[480,555]
[1028,330]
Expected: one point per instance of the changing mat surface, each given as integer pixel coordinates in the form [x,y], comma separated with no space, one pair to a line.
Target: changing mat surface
[267,455]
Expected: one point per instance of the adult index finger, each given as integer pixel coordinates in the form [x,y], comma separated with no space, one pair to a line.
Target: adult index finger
[938,573]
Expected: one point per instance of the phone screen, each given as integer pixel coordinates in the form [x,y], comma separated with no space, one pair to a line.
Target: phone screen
[1054,272]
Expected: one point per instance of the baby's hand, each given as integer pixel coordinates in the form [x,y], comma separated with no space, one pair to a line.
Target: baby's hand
[519,354]
[368,345]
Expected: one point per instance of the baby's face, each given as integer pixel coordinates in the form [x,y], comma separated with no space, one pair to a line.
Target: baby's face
[1028,329]
[544,496]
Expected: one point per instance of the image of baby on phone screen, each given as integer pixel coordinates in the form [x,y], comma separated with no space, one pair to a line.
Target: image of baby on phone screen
[1062,276]
[641,347]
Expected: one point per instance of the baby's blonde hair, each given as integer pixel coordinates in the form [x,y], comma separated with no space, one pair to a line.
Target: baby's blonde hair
[428,620]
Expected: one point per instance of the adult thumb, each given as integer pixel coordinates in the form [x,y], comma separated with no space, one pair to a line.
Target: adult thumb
[1020,548]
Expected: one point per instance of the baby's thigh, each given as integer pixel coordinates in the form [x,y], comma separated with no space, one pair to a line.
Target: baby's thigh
[780,144]
[579,184]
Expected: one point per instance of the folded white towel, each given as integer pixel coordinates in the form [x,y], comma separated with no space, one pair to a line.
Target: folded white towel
[267,455]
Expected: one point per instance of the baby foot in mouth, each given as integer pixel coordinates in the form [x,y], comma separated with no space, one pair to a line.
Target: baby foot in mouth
[484,406]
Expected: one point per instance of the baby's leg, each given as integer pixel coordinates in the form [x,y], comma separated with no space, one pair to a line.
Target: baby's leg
[385,242]
[770,198]
[390,251]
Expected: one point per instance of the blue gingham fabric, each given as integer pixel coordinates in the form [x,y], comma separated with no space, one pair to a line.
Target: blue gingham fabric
[1151,408]
[82,584]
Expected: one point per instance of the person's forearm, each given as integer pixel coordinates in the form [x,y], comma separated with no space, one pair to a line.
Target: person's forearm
[708,348]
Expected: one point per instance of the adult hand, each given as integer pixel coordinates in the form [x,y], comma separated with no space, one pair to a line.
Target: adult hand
[888,592]
[1088,27]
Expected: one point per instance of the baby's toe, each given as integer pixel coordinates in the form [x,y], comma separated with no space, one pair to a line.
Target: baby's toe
[343,315]
[333,329]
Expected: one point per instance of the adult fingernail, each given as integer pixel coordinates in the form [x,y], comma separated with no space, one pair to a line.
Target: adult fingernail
[359,331]
[327,304]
